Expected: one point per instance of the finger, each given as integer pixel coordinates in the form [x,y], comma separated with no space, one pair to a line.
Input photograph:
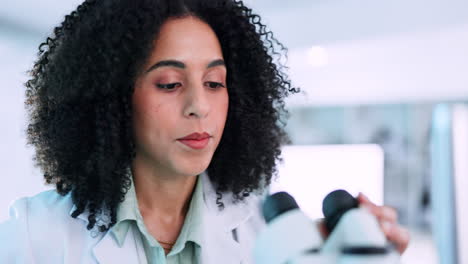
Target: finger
[364,201]
[397,234]
[383,213]
[322,228]
[386,213]
[362,198]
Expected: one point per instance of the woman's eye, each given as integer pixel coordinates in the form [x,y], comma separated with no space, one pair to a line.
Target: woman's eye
[214,84]
[168,86]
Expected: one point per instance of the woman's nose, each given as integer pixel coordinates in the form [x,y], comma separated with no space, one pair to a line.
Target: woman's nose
[197,102]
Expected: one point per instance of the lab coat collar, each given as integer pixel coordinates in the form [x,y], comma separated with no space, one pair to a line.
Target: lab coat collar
[219,246]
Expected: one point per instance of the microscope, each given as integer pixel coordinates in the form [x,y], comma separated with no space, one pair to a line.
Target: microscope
[291,237]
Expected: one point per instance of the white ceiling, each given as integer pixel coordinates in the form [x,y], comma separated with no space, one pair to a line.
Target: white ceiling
[297,22]
[302,23]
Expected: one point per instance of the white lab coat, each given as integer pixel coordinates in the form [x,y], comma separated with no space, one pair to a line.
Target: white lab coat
[41,230]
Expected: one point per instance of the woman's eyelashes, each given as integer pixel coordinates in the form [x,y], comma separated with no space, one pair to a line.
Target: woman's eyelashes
[168,86]
[214,84]
[172,86]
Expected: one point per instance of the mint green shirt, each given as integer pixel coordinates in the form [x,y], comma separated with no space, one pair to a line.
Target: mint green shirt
[187,247]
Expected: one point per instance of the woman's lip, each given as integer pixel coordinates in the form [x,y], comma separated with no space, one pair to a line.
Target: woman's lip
[197,136]
[194,143]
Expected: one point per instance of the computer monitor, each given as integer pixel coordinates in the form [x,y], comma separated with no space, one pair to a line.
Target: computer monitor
[310,172]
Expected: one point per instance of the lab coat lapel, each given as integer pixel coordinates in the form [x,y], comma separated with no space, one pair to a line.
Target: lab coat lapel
[107,250]
[220,245]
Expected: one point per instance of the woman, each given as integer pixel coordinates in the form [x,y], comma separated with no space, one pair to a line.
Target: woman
[158,121]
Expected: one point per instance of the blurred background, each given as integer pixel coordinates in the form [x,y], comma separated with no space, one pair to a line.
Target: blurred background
[382,110]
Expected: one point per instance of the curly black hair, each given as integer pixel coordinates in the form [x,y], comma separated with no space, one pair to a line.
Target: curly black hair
[78,99]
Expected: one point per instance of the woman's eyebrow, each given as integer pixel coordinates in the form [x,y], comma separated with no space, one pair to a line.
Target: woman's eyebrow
[215,63]
[181,65]
[166,63]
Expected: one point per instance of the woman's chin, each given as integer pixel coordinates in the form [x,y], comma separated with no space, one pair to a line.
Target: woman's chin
[193,168]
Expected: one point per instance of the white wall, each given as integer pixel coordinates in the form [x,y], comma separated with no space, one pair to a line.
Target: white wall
[406,67]
[18,174]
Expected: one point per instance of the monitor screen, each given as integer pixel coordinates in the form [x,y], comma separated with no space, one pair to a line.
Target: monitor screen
[310,172]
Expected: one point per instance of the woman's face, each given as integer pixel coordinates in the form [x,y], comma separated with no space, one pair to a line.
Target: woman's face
[182,91]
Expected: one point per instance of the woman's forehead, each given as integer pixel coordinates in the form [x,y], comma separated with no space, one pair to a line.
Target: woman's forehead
[187,39]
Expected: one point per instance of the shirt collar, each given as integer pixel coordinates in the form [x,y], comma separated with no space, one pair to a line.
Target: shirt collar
[128,213]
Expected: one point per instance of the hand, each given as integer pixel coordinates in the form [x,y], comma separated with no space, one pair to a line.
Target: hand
[387,217]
